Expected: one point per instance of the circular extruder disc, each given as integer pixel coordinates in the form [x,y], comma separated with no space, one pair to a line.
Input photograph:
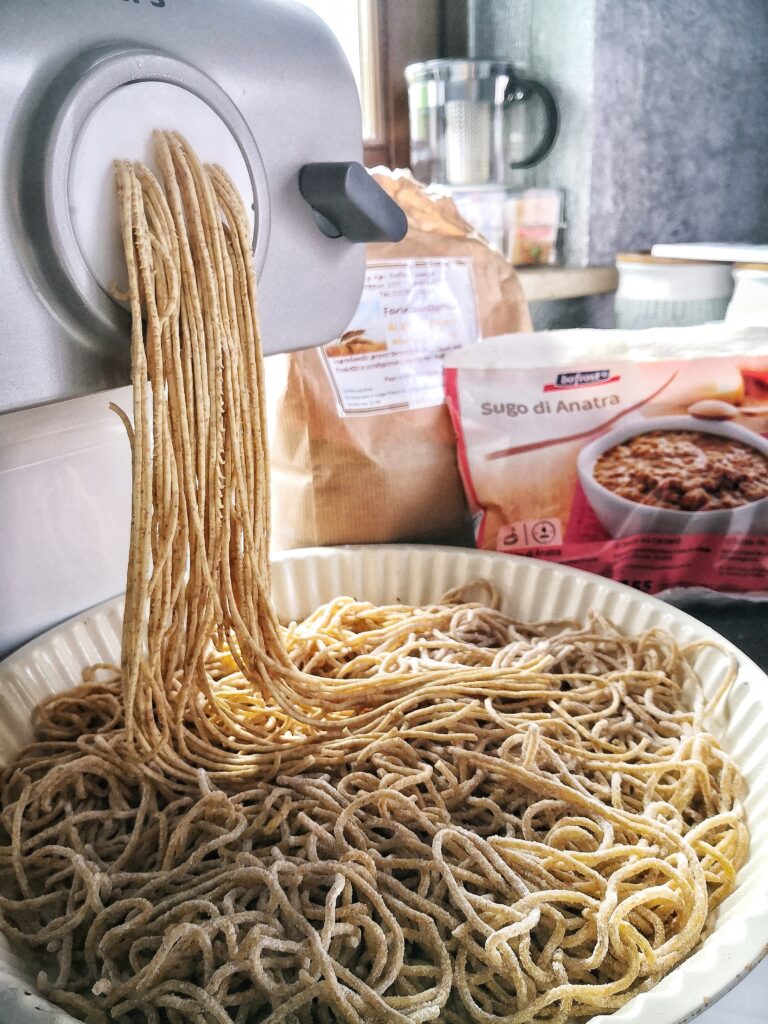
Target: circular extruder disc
[120,128]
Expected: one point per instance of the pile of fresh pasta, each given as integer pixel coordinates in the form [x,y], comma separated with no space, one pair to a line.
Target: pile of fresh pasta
[379,814]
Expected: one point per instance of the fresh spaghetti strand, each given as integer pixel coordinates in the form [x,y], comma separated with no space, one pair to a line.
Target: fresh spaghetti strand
[396,814]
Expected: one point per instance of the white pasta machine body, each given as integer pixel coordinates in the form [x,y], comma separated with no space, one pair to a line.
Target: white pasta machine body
[260,87]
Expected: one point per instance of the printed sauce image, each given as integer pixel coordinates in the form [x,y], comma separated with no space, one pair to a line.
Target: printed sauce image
[686,470]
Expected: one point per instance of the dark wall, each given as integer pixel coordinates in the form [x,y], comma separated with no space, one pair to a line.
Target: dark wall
[680,123]
[664,112]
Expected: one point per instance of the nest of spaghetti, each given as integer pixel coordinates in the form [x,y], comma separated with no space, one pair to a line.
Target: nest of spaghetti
[522,823]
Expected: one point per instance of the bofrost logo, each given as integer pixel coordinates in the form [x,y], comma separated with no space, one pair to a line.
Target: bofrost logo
[581,379]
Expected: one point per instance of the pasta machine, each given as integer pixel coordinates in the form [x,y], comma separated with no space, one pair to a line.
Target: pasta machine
[258,86]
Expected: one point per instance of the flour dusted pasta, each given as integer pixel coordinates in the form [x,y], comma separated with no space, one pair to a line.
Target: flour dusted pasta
[379,814]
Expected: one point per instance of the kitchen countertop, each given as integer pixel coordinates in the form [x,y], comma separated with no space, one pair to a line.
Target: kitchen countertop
[744,623]
[544,284]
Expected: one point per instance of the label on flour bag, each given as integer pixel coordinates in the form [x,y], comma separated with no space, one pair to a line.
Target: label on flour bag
[640,456]
[411,315]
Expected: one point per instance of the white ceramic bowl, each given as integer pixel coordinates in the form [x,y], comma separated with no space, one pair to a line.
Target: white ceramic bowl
[622,517]
[655,292]
[531,590]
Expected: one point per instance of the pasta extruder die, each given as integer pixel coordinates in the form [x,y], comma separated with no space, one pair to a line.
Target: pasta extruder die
[260,87]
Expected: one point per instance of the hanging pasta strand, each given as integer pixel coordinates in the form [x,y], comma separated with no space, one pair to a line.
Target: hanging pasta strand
[394,814]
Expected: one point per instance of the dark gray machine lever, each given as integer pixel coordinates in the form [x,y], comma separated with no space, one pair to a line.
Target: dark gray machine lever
[348,202]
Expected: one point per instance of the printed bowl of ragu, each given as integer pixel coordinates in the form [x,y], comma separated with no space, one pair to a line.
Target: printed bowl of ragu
[677,474]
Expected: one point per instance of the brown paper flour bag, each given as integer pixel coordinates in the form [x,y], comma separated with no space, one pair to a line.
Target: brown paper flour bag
[363,449]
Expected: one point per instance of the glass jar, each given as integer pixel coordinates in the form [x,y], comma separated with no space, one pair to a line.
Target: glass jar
[474,121]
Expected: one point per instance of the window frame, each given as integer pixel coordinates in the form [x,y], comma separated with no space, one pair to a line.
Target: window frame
[400,32]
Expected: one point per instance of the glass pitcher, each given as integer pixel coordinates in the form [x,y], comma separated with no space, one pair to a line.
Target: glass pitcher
[474,121]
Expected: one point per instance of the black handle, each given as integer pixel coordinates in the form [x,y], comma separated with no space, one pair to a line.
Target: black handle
[531,86]
[348,202]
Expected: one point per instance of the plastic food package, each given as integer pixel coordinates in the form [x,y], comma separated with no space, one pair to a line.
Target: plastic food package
[641,456]
[362,445]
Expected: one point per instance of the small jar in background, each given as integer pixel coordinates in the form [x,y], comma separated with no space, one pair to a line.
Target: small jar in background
[749,305]
[659,292]
[526,225]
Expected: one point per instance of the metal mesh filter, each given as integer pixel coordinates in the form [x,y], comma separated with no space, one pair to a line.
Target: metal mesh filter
[467,142]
